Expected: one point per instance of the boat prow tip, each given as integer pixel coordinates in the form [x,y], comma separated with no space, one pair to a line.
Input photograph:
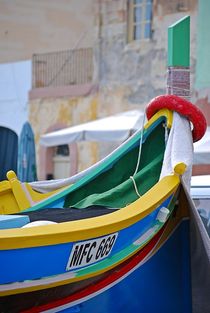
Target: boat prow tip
[180,168]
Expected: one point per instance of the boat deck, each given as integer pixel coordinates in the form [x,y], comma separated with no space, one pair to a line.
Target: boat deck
[60,215]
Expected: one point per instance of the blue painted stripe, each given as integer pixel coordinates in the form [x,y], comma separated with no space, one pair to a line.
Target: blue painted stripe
[37,262]
[161,284]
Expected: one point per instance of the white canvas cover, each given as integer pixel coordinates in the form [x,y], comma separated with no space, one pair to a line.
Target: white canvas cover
[175,153]
[113,128]
[202,149]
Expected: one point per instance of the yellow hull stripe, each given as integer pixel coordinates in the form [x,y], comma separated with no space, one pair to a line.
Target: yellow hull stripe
[91,227]
[173,223]
[16,196]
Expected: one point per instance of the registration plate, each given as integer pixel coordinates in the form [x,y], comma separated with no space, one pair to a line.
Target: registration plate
[90,251]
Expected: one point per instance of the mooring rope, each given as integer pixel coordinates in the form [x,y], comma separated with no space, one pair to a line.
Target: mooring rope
[178,81]
[135,187]
[139,157]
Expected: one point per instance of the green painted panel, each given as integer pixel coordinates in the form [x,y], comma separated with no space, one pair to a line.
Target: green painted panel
[179,43]
[203,46]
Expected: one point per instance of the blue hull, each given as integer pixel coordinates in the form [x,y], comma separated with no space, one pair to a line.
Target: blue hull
[162,284]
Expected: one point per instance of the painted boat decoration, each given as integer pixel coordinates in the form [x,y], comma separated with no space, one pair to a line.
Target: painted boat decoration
[114,219]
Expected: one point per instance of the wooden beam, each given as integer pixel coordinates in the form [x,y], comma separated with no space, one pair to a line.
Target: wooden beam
[179,43]
[178,75]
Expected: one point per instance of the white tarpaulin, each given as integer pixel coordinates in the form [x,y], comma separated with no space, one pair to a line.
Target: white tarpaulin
[113,128]
[175,152]
[202,149]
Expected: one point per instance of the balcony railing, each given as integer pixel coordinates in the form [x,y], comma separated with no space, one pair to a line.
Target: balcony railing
[72,67]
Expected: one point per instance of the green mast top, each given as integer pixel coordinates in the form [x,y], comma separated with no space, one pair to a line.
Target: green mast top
[179,43]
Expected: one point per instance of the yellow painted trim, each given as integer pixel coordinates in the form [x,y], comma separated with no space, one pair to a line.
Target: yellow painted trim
[4,186]
[173,222]
[163,112]
[66,281]
[179,215]
[22,200]
[8,203]
[37,197]
[17,196]
[180,168]
[91,227]
[69,280]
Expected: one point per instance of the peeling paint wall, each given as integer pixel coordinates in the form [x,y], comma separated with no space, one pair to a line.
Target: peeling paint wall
[128,74]
[135,72]
[67,112]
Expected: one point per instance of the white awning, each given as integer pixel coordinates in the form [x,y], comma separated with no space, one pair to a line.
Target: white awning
[113,128]
[202,149]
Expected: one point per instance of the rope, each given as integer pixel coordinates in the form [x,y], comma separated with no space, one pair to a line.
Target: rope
[140,145]
[178,88]
[166,134]
[135,187]
[139,158]
[178,81]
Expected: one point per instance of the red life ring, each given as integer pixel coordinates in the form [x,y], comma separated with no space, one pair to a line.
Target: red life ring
[183,107]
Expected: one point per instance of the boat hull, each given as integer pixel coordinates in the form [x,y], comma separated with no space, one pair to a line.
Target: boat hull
[113,259]
[37,269]
[159,271]
[159,285]
[158,282]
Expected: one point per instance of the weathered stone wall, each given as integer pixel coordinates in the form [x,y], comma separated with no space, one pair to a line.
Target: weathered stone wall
[47,114]
[130,74]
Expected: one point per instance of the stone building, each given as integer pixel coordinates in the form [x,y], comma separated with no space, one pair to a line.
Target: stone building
[95,58]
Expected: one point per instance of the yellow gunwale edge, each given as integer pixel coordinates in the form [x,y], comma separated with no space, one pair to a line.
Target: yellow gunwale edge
[163,112]
[164,237]
[67,280]
[92,227]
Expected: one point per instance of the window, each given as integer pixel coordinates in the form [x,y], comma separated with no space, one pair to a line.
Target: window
[139,19]
[62,162]
[62,150]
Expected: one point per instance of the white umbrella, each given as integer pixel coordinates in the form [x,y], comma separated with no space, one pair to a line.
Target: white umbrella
[113,128]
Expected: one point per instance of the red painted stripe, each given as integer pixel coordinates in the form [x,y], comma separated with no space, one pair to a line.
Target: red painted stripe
[124,269]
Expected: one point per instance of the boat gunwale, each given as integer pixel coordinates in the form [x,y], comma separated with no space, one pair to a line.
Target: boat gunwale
[91,227]
[96,226]
[148,127]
